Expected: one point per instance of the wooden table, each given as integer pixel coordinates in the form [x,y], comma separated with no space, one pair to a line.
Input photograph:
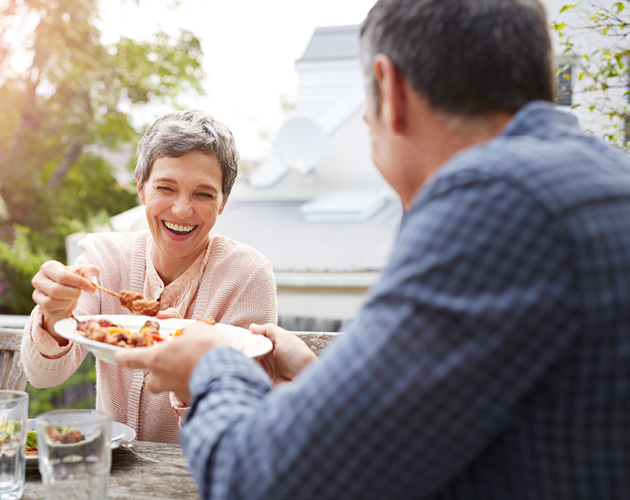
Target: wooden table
[133,478]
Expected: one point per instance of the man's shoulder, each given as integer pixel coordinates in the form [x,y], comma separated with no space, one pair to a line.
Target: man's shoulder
[562,172]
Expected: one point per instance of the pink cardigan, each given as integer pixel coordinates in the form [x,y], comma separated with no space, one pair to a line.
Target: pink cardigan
[237,288]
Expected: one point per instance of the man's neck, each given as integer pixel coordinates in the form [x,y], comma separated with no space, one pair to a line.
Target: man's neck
[437,138]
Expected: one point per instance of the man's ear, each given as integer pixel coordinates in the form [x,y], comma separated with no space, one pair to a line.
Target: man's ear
[140,191]
[393,93]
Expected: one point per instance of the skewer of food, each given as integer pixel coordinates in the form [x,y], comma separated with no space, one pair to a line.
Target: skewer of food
[134,301]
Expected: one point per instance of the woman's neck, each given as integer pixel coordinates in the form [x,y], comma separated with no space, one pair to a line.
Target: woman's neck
[170,269]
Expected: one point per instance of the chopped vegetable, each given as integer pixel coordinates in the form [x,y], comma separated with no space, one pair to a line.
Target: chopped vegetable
[31,442]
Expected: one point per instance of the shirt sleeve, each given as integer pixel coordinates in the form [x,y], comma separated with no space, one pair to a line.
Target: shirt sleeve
[470,314]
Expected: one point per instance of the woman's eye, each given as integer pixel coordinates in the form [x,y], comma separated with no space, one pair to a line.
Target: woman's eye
[206,195]
[164,188]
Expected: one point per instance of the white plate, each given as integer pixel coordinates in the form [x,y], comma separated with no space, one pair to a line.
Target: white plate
[240,339]
[119,432]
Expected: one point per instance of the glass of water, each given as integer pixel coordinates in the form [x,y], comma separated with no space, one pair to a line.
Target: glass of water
[13,416]
[74,454]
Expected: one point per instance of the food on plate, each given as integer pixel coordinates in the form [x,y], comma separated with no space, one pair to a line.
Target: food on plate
[209,321]
[65,435]
[31,442]
[9,435]
[103,330]
[138,303]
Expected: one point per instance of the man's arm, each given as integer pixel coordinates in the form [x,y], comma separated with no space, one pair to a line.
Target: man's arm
[472,312]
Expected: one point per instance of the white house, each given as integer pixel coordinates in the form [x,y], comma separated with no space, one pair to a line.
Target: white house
[328,225]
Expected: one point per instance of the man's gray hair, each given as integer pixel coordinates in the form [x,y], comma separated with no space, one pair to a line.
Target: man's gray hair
[178,133]
[466,57]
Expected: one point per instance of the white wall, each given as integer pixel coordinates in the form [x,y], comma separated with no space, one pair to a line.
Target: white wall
[348,163]
[306,303]
[321,84]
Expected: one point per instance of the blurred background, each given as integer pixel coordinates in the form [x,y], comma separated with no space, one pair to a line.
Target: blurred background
[81,80]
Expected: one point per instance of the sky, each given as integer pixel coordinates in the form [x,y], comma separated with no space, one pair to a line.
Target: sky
[250,49]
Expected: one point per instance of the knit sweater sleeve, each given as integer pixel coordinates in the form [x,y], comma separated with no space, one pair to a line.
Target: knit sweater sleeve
[256,301]
[46,363]
[238,286]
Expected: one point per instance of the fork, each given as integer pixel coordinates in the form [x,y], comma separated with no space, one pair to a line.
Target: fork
[129,446]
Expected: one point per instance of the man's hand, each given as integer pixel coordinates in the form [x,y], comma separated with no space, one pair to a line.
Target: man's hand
[57,291]
[289,355]
[172,362]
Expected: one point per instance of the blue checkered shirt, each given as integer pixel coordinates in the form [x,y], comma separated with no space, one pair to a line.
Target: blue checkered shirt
[492,360]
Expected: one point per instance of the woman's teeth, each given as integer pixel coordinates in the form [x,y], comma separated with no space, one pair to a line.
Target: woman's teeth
[178,227]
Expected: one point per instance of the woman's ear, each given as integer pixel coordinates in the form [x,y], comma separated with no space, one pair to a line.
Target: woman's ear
[140,191]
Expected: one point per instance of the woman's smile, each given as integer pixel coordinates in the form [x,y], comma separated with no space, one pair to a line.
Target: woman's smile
[179,229]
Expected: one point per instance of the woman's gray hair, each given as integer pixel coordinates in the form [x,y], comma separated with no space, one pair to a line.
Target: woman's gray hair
[178,133]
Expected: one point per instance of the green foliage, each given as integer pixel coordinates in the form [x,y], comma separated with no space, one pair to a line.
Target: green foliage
[594,41]
[52,398]
[72,100]
[567,7]
[18,264]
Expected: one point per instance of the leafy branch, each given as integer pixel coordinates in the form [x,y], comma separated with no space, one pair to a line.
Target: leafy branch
[594,42]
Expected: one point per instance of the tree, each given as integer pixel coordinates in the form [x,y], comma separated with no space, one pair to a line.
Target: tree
[594,41]
[71,98]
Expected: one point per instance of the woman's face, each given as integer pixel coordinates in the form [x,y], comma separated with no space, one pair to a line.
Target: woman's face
[183,197]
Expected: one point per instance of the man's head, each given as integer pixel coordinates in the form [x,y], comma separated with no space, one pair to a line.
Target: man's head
[444,75]
[466,57]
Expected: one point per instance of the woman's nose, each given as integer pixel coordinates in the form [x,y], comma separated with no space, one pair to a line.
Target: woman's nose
[182,207]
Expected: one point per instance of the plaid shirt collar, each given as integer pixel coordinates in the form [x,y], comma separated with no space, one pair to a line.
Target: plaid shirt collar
[541,119]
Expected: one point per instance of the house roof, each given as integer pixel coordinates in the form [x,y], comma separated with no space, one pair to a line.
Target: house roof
[276,229]
[333,42]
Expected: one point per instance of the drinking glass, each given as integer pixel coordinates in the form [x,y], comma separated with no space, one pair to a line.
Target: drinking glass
[74,454]
[13,415]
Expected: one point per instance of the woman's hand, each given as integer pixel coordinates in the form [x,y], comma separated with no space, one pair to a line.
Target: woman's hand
[171,312]
[57,291]
[289,356]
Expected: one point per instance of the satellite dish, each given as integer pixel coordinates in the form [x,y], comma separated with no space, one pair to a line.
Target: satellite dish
[301,144]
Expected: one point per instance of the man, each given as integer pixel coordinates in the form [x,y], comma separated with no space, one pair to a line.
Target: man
[492,361]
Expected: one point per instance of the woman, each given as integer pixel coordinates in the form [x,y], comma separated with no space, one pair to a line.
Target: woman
[187,164]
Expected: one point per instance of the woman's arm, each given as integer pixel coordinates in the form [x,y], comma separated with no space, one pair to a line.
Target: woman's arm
[48,358]
[57,291]
[255,301]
